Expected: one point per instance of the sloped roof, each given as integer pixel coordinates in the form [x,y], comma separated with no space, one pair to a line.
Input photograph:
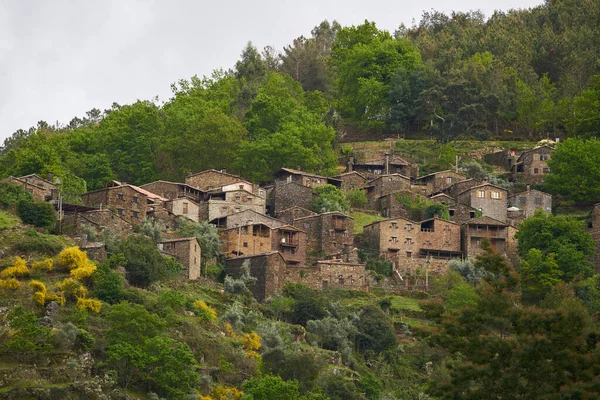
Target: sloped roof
[439,172]
[386,175]
[185,239]
[534,149]
[349,173]
[37,176]
[13,178]
[213,170]
[393,160]
[479,186]
[485,220]
[529,191]
[390,220]
[116,184]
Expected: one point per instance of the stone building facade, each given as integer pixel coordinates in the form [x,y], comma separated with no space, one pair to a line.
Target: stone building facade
[490,199]
[174,190]
[247,217]
[387,184]
[128,201]
[76,225]
[504,158]
[268,268]
[210,179]
[222,204]
[331,274]
[532,165]
[456,188]
[478,229]
[352,180]
[46,185]
[187,252]
[184,207]
[438,181]
[383,165]
[328,234]
[531,200]
[286,195]
[290,214]
[39,193]
[304,178]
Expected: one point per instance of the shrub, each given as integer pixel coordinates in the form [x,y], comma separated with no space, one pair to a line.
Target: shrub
[329,198]
[72,289]
[73,257]
[44,265]
[108,284]
[18,269]
[271,387]
[308,304]
[357,198]
[251,343]
[83,272]
[468,270]
[205,311]
[93,305]
[11,194]
[28,336]
[240,285]
[10,283]
[375,331]
[437,210]
[33,241]
[380,266]
[37,214]
[143,262]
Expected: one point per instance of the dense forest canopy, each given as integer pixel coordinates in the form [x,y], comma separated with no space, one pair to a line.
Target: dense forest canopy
[515,74]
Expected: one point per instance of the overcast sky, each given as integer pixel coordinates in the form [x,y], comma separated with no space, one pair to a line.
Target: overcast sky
[60,58]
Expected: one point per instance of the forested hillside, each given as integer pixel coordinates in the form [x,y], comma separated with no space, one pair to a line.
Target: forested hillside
[515,75]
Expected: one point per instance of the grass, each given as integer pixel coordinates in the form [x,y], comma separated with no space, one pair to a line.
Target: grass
[7,220]
[361,219]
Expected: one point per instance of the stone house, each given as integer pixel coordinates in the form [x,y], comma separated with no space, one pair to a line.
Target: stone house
[386,184]
[304,178]
[222,204]
[47,186]
[247,217]
[329,234]
[95,250]
[476,230]
[439,239]
[330,274]
[186,251]
[383,165]
[286,195]
[130,202]
[392,206]
[78,224]
[490,199]
[268,268]
[211,178]
[439,181]
[290,214]
[459,187]
[39,193]
[504,158]
[184,207]
[531,200]
[351,180]
[259,238]
[174,190]
[164,216]
[532,165]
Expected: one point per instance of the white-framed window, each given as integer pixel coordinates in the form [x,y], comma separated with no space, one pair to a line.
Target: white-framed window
[496,195]
[481,194]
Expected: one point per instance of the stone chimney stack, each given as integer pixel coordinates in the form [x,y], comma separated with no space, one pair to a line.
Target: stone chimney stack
[387,164]
[350,163]
[528,188]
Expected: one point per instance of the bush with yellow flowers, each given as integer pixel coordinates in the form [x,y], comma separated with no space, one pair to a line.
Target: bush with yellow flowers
[39,295]
[77,262]
[72,289]
[229,330]
[226,393]
[251,344]
[205,311]
[44,265]
[10,283]
[18,269]
[93,305]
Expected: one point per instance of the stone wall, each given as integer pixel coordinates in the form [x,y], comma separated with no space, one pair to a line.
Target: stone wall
[286,195]
[533,165]
[269,269]
[184,207]
[248,217]
[210,179]
[351,181]
[330,275]
[234,202]
[328,234]
[530,201]
[38,193]
[187,252]
[246,240]
[289,215]
[128,203]
[99,220]
[494,202]
[173,190]
[439,235]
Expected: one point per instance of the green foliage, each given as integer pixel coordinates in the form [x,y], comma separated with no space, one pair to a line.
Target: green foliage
[329,198]
[415,204]
[152,228]
[206,233]
[370,385]
[37,214]
[563,236]
[333,334]
[437,210]
[308,304]
[575,170]
[108,284]
[11,194]
[28,338]
[7,220]
[338,387]
[132,323]
[588,291]
[460,296]
[356,198]
[539,273]
[375,331]
[468,270]
[242,284]
[379,265]
[270,387]
[302,366]
[144,263]
[33,241]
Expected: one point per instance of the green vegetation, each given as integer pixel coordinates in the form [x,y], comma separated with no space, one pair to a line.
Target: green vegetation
[329,198]
[361,219]
[37,214]
[7,220]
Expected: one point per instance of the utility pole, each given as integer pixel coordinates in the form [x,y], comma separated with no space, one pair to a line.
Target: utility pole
[239,238]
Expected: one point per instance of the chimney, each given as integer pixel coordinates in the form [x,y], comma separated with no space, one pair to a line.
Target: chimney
[528,188]
[299,168]
[387,164]
[350,163]
[51,177]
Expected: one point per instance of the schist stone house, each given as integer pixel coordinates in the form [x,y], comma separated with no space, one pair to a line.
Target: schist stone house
[330,274]
[529,201]
[219,204]
[352,180]
[185,207]
[329,234]
[247,217]
[386,184]
[285,195]
[532,166]
[78,224]
[259,238]
[381,166]
[290,214]
[478,229]
[40,188]
[400,238]
[210,179]
[185,250]
[437,181]
[130,202]
[174,190]
[490,199]
[268,268]
[304,178]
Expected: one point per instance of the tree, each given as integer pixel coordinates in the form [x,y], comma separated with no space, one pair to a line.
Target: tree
[539,273]
[144,263]
[575,170]
[329,198]
[271,387]
[308,304]
[11,194]
[206,233]
[356,198]
[28,337]
[37,214]
[374,331]
[562,236]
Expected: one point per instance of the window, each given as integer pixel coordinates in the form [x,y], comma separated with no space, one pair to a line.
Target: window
[496,195]
[289,178]
[245,244]
[409,227]
[448,180]
[135,214]
[451,212]
[121,196]
[522,200]
[471,214]
[238,197]
[481,194]
[543,157]
[409,241]
[134,199]
[538,201]
[394,225]
[536,170]
[546,170]
[409,254]
[237,209]
[394,239]
[185,208]
[241,187]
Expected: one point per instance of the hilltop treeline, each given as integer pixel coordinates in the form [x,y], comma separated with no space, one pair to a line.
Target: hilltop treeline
[517,74]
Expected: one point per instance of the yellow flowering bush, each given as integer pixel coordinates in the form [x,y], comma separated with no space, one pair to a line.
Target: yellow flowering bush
[10,283]
[83,272]
[73,257]
[93,305]
[226,393]
[205,311]
[44,265]
[251,344]
[58,297]
[19,268]
[39,296]
[72,289]
[229,330]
